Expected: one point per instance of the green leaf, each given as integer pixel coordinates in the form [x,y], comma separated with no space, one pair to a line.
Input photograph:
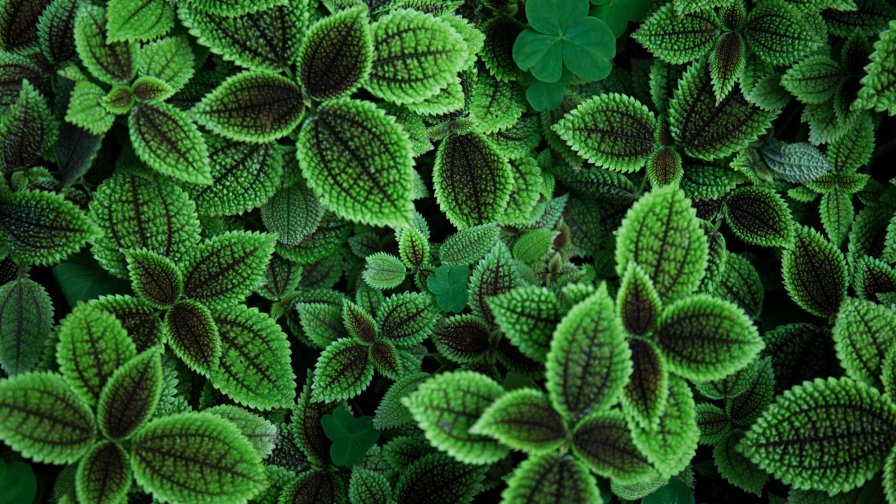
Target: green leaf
[342,371]
[41,418]
[604,442]
[167,140]
[263,434]
[384,271]
[740,283]
[862,334]
[391,413]
[662,235]
[814,273]
[92,345]
[27,129]
[644,396]
[196,457]
[797,163]
[780,34]
[42,228]
[710,129]
[368,487]
[550,478]
[679,38]
[305,426]
[469,245]
[138,19]
[406,319]
[813,80]
[266,39]
[351,437]
[85,110]
[531,247]
[193,336]
[527,316]
[137,212]
[18,481]
[231,7]
[744,408]
[446,406]
[588,48]
[169,59]
[854,149]
[589,362]
[255,365]
[837,214]
[386,359]
[877,84]
[523,419]
[358,161]
[252,106]
[704,338]
[637,302]
[874,277]
[103,475]
[612,130]
[437,479]
[672,443]
[495,274]
[26,318]
[151,88]
[713,423]
[359,323]
[828,435]
[336,54]
[55,28]
[155,278]
[416,56]
[228,267]
[113,62]
[130,397]
[759,216]
[495,105]
[293,213]
[138,319]
[314,486]
[726,64]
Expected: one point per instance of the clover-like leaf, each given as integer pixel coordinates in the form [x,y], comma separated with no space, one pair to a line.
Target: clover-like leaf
[130,397]
[679,38]
[254,368]
[604,441]
[448,405]
[814,273]
[41,418]
[92,345]
[862,334]
[169,142]
[42,228]
[196,457]
[472,180]
[644,396]
[662,235]
[138,19]
[589,361]
[357,160]
[155,278]
[785,441]
[228,267]
[26,318]
[342,371]
[759,216]
[336,54]
[103,475]
[110,62]
[550,478]
[193,336]
[252,106]
[672,442]
[523,419]
[527,316]
[416,55]
[438,479]
[351,437]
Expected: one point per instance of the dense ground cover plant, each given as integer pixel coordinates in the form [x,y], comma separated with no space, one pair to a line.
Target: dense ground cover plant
[404,251]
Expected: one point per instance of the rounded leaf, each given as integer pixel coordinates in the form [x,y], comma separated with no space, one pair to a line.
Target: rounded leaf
[155,278]
[437,479]
[523,419]
[336,54]
[342,371]
[228,267]
[550,478]
[814,273]
[679,38]
[759,216]
[26,318]
[165,138]
[604,442]
[863,334]
[130,397]
[193,336]
[103,475]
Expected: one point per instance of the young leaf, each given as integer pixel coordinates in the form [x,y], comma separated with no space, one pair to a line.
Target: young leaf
[472,180]
[726,64]
[550,478]
[359,323]
[496,274]
[103,475]
[138,19]
[130,397]
[252,106]
[42,228]
[437,479]
[92,345]
[523,419]
[41,418]
[679,38]
[342,371]
[416,55]
[858,426]
[254,368]
[358,161]
[814,273]
[155,278]
[837,214]
[26,317]
[759,216]
[448,405]
[406,319]
[384,271]
[352,437]
[167,140]
[469,245]
[527,316]
[862,334]
[336,54]
[662,235]
[589,362]
[228,267]
[386,359]
[637,302]
[111,63]
[672,443]
[193,336]
[644,396]
[196,457]
[604,442]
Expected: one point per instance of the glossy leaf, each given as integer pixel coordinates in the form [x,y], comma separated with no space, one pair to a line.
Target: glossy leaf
[352,437]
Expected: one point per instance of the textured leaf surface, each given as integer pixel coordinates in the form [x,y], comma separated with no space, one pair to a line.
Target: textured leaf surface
[550,479]
[814,273]
[155,278]
[130,397]
[637,302]
[438,479]
[167,140]
[522,419]
[109,62]
[169,59]
[495,274]
[103,475]
[26,317]
[42,228]
[527,316]
[138,19]
[384,271]
[863,334]
[679,38]
[41,418]
[644,396]
[469,245]
[228,267]
[877,85]
[342,371]
[336,54]
[193,336]
[672,442]
[406,319]
[780,34]
[604,442]
[759,217]
[27,129]
[358,161]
